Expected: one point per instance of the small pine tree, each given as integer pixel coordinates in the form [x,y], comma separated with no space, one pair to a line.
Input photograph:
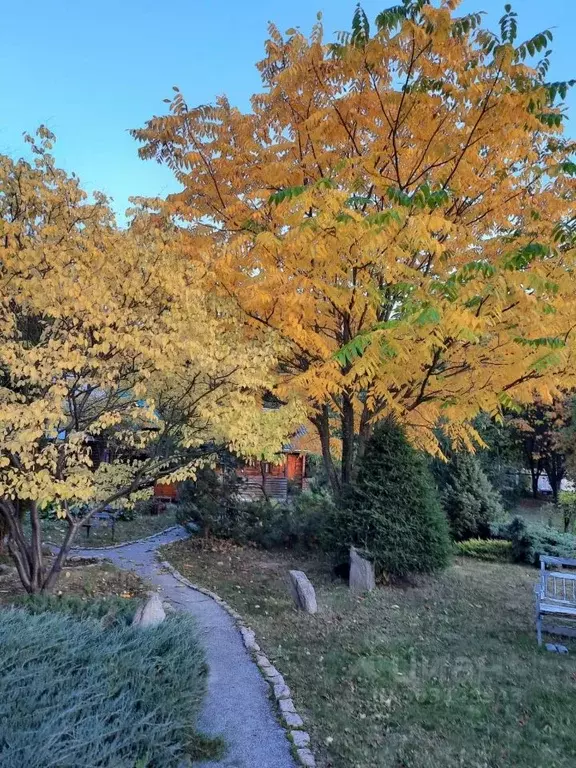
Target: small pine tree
[470,501]
[393,510]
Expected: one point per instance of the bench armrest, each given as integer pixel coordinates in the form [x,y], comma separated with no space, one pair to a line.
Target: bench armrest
[549,560]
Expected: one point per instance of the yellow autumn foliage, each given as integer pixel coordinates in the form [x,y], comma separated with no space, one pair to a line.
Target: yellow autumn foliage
[108,341]
[396,212]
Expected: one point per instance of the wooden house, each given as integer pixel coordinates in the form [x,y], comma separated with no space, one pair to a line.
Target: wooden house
[276,480]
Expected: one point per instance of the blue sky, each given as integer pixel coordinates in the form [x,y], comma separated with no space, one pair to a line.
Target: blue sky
[90,71]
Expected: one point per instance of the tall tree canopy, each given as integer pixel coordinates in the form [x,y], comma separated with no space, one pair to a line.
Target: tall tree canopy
[106,337]
[544,432]
[396,209]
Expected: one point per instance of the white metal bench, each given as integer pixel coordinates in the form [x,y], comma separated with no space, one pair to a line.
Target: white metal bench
[556,597]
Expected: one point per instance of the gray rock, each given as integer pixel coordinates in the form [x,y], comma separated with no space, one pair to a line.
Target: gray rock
[306,758]
[361,573]
[249,639]
[286,705]
[272,674]
[292,719]
[300,738]
[281,691]
[150,614]
[303,592]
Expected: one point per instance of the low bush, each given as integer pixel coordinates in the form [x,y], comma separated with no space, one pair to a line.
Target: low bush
[210,502]
[530,540]
[301,524]
[485,549]
[73,693]
[393,512]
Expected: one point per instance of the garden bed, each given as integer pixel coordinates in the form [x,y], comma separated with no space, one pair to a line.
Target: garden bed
[443,673]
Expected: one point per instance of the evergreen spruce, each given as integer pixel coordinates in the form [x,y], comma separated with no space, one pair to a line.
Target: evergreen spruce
[470,501]
[393,511]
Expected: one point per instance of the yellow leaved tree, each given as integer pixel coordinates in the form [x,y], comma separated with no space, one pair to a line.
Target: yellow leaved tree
[397,211]
[107,346]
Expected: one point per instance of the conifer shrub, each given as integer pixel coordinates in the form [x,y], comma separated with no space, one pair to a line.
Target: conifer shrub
[392,512]
[210,503]
[530,540]
[485,549]
[73,693]
[113,608]
[469,499]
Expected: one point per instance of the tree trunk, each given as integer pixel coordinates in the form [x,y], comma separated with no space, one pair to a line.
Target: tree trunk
[535,472]
[347,439]
[27,555]
[263,476]
[364,433]
[554,467]
[52,577]
[534,485]
[322,424]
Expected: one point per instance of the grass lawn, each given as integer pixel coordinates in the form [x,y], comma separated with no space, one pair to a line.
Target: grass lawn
[446,673]
[539,511]
[126,530]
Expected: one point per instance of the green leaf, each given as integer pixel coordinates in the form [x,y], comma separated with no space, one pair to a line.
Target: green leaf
[548,360]
[428,315]
[360,27]
[552,342]
[522,258]
[285,194]
[383,218]
[474,268]
[353,349]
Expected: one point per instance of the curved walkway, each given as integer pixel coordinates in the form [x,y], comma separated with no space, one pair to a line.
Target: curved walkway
[237,705]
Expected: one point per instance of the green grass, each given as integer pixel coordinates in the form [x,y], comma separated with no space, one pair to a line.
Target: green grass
[539,511]
[126,530]
[445,673]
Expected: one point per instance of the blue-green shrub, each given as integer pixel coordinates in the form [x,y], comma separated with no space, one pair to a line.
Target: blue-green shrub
[530,540]
[73,693]
[113,608]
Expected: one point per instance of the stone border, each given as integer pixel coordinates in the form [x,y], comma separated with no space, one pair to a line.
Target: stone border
[123,543]
[292,721]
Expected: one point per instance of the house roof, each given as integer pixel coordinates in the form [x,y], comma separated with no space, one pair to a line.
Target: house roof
[303,440]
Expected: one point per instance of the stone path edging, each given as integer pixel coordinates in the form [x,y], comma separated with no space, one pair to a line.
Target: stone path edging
[123,543]
[291,720]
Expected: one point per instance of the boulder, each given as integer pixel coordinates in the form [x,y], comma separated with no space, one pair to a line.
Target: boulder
[150,614]
[361,573]
[303,592]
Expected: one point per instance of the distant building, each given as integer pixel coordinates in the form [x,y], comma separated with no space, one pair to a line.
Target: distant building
[275,480]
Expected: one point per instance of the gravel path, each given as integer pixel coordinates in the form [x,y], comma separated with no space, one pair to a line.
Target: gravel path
[237,706]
